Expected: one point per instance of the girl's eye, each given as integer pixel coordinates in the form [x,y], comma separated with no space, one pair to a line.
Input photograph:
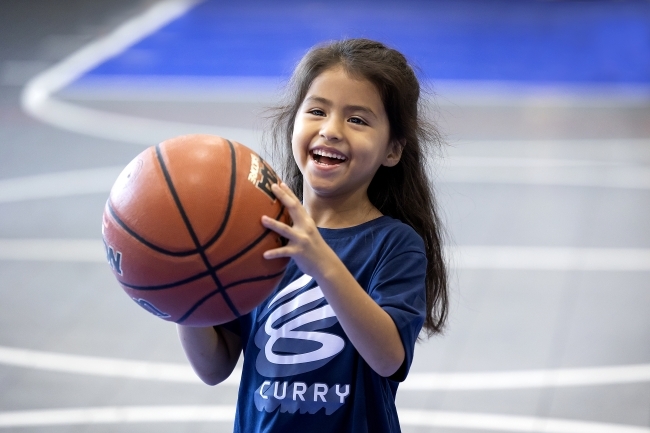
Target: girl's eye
[357,120]
[316,112]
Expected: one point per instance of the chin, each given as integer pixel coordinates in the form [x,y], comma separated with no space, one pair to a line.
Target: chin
[321,191]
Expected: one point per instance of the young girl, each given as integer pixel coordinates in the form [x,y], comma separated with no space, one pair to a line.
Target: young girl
[327,350]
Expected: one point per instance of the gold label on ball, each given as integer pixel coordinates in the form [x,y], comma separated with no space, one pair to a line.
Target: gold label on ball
[262,176]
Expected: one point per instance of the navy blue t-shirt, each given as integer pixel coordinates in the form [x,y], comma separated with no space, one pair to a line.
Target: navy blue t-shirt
[301,373]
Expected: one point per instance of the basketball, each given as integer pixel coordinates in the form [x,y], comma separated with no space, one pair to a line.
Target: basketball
[183,234]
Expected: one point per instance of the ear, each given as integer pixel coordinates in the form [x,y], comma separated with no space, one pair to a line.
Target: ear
[394,154]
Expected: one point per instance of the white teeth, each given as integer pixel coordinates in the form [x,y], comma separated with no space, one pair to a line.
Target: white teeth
[328,154]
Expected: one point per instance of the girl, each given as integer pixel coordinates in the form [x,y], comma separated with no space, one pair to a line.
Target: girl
[327,350]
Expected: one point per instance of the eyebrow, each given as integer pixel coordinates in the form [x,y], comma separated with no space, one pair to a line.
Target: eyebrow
[347,107]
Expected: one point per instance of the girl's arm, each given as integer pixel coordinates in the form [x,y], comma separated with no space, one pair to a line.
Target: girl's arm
[212,351]
[370,329]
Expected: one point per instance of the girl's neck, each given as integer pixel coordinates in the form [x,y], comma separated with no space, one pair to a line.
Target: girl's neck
[336,213]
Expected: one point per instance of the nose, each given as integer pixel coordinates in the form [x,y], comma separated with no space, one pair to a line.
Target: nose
[331,129]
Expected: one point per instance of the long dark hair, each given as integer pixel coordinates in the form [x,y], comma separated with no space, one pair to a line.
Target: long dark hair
[403,191]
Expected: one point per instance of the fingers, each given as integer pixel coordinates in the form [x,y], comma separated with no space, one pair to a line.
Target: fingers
[277,253]
[286,196]
[301,235]
[279,227]
[291,202]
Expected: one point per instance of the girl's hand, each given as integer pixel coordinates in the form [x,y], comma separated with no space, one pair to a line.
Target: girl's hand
[305,244]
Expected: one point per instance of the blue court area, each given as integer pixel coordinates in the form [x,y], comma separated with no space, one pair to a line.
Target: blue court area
[525,41]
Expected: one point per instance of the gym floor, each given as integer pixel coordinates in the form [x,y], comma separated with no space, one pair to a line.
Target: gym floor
[544,186]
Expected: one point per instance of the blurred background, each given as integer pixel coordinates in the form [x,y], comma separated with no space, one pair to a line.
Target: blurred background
[543,182]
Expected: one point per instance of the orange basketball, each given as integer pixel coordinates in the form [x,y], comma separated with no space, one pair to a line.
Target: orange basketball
[183,233]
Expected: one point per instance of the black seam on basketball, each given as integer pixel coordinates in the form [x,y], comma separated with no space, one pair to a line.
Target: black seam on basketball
[231,196]
[168,285]
[226,262]
[199,303]
[142,240]
[249,246]
[190,229]
[214,292]
[253,279]
[202,274]
[205,273]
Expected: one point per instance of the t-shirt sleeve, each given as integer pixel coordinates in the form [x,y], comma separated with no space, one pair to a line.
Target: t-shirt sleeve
[398,286]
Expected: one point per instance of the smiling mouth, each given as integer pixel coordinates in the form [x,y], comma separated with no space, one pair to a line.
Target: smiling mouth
[326,158]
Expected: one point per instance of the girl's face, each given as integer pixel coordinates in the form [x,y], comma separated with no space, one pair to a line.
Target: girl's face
[341,136]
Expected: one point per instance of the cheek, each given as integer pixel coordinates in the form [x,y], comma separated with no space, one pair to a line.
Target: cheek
[298,151]
[299,141]
[295,150]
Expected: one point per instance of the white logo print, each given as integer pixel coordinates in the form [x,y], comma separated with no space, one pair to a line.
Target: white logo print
[290,340]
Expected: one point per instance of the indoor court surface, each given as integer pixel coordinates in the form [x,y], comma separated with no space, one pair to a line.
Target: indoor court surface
[543,182]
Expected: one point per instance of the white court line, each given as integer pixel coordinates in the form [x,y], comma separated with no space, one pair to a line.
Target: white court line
[108,367]
[480,421]
[408,417]
[54,250]
[40,88]
[85,59]
[463,257]
[416,381]
[547,171]
[551,378]
[130,129]
[602,176]
[61,184]
[37,96]
[117,415]
[501,162]
[549,258]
